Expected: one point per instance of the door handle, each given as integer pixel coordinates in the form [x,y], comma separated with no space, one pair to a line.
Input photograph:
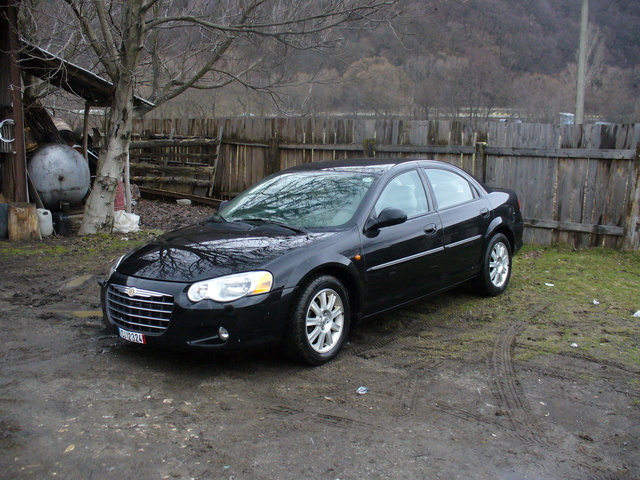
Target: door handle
[484,212]
[431,229]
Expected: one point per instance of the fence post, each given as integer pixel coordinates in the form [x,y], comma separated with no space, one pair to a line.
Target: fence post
[481,155]
[632,218]
[369,147]
[273,157]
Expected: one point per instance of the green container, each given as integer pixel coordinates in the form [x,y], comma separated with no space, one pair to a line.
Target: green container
[4,220]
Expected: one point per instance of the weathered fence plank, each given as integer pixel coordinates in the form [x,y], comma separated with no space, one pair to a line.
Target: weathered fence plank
[632,217]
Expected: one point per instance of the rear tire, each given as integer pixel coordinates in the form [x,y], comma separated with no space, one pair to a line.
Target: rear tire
[496,267]
[319,321]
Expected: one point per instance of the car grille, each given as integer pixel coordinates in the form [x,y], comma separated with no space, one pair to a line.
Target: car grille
[139,310]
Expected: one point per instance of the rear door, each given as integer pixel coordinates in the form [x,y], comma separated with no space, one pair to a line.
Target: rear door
[403,262]
[465,216]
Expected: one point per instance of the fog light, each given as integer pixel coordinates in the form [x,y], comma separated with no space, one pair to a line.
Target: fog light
[223,334]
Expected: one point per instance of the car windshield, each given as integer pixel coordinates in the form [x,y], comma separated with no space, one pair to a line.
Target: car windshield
[318,199]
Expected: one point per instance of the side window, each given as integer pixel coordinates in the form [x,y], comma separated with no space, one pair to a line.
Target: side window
[449,188]
[405,192]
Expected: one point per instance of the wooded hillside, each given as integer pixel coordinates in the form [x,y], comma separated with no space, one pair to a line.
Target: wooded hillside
[456,59]
[442,59]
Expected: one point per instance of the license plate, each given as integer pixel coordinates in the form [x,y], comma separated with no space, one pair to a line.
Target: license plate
[131,336]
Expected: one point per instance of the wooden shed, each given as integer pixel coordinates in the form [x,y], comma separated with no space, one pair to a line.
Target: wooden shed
[16,56]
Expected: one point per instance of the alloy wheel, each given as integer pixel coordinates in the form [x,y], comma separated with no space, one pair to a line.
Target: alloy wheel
[325,320]
[499,264]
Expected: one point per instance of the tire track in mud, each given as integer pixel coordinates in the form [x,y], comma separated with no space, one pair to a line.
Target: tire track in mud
[415,325]
[510,394]
[568,374]
[369,347]
[411,391]
[524,425]
[463,414]
[302,419]
[405,397]
[292,415]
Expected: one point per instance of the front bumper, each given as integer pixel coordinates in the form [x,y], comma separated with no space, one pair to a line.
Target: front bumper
[163,315]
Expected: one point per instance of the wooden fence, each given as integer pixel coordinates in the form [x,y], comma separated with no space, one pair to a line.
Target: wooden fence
[577,184]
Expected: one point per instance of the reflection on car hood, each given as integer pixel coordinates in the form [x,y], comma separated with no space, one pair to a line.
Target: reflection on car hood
[207,251]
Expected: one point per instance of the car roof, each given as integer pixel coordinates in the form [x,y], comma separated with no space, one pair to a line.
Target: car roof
[368,165]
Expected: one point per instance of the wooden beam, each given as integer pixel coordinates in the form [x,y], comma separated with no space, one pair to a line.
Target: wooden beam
[199,142]
[214,202]
[578,153]
[172,157]
[85,132]
[15,171]
[171,181]
[216,160]
[428,149]
[176,169]
[320,146]
[574,227]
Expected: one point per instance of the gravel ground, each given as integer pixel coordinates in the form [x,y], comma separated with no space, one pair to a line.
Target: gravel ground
[167,215]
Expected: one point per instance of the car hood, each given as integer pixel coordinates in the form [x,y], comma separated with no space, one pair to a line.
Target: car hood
[212,250]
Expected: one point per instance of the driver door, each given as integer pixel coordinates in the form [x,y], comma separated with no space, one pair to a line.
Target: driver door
[403,262]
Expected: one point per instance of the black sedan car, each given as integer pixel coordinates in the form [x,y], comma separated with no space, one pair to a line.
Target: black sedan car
[301,257]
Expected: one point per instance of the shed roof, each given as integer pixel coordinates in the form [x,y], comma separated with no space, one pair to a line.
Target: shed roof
[70,77]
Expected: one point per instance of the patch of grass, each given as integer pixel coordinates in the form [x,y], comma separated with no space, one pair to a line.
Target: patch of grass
[551,295]
[67,256]
[589,297]
[52,246]
[607,276]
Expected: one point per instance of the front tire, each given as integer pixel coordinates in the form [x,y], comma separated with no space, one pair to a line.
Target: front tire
[496,267]
[319,321]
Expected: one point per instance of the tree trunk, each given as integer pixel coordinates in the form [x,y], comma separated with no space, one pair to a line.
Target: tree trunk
[98,212]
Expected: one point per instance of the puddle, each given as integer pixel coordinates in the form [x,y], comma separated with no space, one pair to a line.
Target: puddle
[76,282]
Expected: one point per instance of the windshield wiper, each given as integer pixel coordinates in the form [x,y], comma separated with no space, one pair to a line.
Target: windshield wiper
[216,217]
[272,222]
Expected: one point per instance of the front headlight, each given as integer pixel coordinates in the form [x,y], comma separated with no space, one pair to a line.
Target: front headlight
[231,287]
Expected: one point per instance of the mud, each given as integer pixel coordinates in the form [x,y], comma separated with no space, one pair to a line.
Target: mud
[448,396]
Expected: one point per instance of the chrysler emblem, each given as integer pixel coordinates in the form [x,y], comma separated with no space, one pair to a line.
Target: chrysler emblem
[131,292]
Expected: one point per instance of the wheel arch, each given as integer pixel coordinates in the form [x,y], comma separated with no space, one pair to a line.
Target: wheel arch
[499,226]
[348,279]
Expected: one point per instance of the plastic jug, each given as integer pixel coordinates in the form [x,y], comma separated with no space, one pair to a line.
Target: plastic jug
[45,220]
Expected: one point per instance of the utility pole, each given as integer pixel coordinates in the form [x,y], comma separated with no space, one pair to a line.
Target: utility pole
[582,63]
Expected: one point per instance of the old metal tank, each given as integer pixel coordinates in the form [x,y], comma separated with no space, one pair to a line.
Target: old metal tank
[59,174]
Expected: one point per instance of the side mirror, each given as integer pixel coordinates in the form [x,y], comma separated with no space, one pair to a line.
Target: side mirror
[222,205]
[216,216]
[388,217]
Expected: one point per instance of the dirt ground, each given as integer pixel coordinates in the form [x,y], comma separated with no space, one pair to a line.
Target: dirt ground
[459,387]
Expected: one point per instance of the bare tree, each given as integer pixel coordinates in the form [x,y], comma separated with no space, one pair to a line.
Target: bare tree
[160,49]
[375,86]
